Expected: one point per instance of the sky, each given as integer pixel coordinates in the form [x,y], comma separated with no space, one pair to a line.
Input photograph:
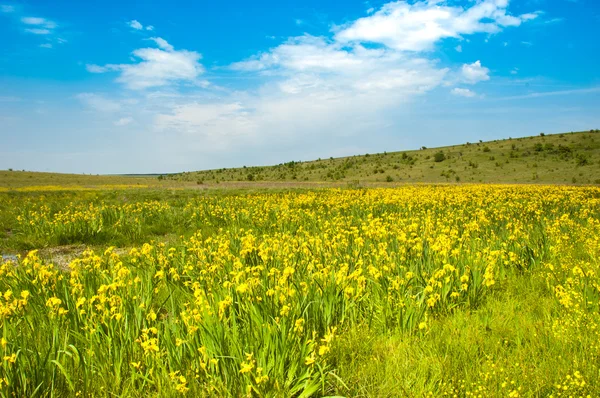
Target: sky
[119,86]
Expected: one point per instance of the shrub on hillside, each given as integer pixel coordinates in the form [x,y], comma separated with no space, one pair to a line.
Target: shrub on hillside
[439,157]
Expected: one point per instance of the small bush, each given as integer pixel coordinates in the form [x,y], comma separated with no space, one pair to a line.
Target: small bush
[439,157]
[582,160]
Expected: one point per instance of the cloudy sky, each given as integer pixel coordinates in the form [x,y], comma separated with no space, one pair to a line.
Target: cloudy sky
[166,86]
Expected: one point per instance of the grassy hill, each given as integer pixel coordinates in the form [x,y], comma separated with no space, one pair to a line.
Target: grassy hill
[572,158]
[26,179]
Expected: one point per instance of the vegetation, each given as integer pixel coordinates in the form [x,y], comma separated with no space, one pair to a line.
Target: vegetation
[557,158]
[28,180]
[466,290]
[134,286]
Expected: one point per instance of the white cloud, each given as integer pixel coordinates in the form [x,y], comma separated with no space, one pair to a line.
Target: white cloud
[458,48]
[418,26]
[41,22]
[530,16]
[46,45]
[32,20]
[7,8]
[39,26]
[590,90]
[309,63]
[162,43]
[345,87]
[37,31]
[96,68]
[274,118]
[135,25]
[124,121]
[474,73]
[463,92]
[150,27]
[309,88]
[344,90]
[156,67]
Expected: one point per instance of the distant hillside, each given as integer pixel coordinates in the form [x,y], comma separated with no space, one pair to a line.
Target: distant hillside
[572,158]
[10,179]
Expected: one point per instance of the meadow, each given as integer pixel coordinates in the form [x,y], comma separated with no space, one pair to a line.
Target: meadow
[418,290]
[569,158]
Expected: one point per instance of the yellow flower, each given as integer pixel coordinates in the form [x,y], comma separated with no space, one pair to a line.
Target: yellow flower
[243,288]
[151,316]
[246,367]
[309,360]
[11,358]
[299,325]
[323,350]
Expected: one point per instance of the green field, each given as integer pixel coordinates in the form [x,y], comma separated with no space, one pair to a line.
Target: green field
[420,290]
[231,286]
[570,158]
[15,179]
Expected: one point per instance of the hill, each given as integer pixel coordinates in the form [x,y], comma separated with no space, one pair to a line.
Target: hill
[572,158]
[25,180]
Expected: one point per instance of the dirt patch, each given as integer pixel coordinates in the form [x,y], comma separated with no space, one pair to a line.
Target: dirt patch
[61,256]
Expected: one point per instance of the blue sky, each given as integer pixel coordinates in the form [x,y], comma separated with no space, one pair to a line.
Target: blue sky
[156,86]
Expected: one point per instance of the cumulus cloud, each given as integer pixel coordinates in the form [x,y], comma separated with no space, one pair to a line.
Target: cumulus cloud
[463,92]
[155,67]
[311,87]
[308,64]
[475,73]
[162,43]
[418,26]
[135,25]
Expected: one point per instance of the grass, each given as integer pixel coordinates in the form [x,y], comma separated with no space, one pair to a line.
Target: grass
[570,158]
[450,290]
[29,180]
[141,287]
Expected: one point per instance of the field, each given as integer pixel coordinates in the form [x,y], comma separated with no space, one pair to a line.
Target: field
[570,158]
[429,290]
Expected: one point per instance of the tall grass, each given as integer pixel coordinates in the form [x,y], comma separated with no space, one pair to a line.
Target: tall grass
[473,290]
